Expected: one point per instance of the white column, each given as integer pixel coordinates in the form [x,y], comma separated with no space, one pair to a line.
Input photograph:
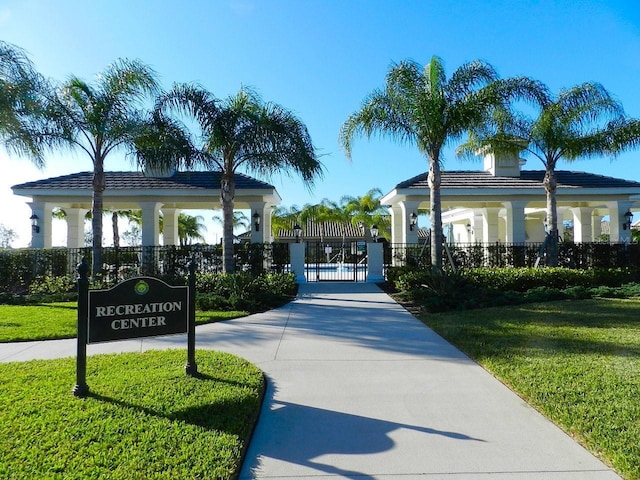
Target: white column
[582,231]
[41,238]
[616,219]
[263,234]
[150,223]
[296,254]
[75,226]
[374,263]
[489,225]
[515,222]
[170,226]
[407,208]
[396,224]
[596,226]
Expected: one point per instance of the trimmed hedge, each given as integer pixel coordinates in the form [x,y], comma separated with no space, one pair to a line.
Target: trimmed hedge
[487,287]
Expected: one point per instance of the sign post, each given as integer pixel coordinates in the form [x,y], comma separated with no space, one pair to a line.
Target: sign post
[81,388]
[135,308]
[191,368]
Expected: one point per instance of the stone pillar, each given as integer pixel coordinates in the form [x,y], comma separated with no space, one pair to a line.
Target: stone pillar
[374,263]
[582,224]
[296,254]
[75,226]
[596,226]
[170,226]
[515,222]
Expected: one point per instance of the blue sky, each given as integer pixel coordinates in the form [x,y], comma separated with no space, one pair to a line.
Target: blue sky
[320,58]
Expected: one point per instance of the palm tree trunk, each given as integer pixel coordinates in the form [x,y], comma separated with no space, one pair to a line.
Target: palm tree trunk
[116,230]
[435,206]
[550,184]
[96,211]
[227,194]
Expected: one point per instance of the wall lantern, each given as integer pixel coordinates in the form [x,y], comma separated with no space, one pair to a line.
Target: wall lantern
[297,232]
[413,220]
[469,229]
[35,228]
[628,216]
[256,221]
[374,233]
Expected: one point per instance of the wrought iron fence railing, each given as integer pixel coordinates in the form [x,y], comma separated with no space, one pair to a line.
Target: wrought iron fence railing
[499,254]
[19,268]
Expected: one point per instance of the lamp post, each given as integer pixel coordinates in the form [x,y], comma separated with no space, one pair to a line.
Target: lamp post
[256,221]
[297,232]
[374,233]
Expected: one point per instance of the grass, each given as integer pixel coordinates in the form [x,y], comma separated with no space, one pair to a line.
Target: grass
[144,418]
[578,362]
[19,323]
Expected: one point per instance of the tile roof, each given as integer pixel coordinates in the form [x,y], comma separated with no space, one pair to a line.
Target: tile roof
[528,179]
[138,181]
[326,230]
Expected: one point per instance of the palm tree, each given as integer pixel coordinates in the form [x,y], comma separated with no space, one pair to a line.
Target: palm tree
[283,218]
[367,210]
[98,119]
[580,122]
[320,213]
[239,133]
[21,112]
[240,220]
[420,106]
[189,228]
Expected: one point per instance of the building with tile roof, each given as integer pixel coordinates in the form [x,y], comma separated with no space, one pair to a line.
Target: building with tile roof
[504,203]
[150,192]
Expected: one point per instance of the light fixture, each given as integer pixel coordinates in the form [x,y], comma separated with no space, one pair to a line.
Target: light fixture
[374,233]
[469,229]
[413,220]
[35,228]
[256,221]
[628,216]
[297,232]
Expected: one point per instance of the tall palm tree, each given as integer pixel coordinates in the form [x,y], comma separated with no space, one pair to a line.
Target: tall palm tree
[420,105]
[21,107]
[320,213]
[189,228]
[98,119]
[580,122]
[239,133]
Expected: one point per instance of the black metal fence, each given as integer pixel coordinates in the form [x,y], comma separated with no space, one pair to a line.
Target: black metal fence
[474,255]
[18,268]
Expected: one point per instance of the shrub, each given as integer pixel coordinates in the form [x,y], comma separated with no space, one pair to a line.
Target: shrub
[48,285]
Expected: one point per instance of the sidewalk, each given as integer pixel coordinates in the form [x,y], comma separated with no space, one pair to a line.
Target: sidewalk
[360,389]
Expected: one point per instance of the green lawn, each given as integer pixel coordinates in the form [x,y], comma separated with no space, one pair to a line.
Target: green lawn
[578,362]
[144,418]
[58,320]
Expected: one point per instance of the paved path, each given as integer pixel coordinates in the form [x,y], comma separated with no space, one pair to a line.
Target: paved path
[360,389]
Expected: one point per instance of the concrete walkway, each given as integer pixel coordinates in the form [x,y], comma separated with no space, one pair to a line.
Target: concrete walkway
[360,389]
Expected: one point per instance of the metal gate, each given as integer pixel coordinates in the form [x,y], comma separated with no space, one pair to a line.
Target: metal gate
[336,262]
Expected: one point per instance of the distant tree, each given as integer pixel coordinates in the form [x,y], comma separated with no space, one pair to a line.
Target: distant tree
[321,213]
[581,122]
[21,104]
[284,218]
[420,105]
[368,211]
[7,236]
[240,220]
[98,119]
[241,132]
[190,228]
